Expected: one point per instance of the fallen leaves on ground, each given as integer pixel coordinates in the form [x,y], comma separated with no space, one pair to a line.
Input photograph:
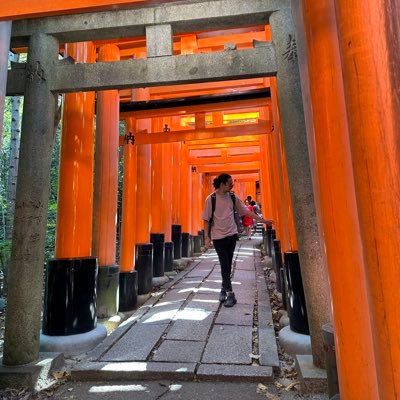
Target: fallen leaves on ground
[262,389]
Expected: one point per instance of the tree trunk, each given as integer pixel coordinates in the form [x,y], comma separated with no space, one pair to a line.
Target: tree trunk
[13,159]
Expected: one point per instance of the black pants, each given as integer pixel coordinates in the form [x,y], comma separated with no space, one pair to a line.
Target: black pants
[225,248]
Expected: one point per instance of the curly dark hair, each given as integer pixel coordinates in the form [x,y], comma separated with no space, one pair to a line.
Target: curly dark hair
[221,179]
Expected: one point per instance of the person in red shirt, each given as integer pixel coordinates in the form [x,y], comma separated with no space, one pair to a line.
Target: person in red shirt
[247,220]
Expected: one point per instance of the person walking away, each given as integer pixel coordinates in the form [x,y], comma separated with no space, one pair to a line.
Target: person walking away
[220,227]
[256,209]
[248,221]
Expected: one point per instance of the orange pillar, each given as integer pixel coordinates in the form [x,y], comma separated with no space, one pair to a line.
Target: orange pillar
[368,42]
[128,276]
[128,232]
[106,177]
[195,201]
[276,154]
[176,183]
[156,180]
[105,192]
[332,169]
[75,192]
[265,182]
[143,205]
[167,179]
[206,187]
[218,118]
[186,201]
[188,46]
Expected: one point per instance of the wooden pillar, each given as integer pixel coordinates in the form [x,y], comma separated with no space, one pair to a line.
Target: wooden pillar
[105,192]
[156,180]
[143,204]
[195,201]
[75,187]
[186,201]
[368,42]
[265,182]
[218,118]
[176,183]
[206,187]
[129,198]
[327,129]
[283,204]
[25,274]
[313,271]
[167,184]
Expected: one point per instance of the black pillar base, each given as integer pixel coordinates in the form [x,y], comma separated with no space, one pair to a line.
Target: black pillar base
[296,303]
[128,290]
[277,263]
[158,253]
[201,235]
[107,291]
[176,231]
[196,244]
[191,241]
[169,256]
[185,244]
[144,267]
[271,235]
[70,296]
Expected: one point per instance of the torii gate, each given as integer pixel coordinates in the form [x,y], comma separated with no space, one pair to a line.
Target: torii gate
[45,75]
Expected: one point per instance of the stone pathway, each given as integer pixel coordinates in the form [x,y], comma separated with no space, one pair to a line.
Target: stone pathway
[183,333]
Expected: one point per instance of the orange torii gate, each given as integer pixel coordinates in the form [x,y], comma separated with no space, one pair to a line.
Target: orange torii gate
[350,134]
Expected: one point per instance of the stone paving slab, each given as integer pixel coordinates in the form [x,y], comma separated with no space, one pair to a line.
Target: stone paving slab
[191,329]
[200,272]
[208,290]
[161,313]
[229,345]
[243,276]
[111,371]
[241,314]
[246,373]
[213,283]
[244,296]
[241,264]
[174,295]
[111,339]
[267,347]
[179,351]
[215,275]
[186,283]
[204,301]
[136,344]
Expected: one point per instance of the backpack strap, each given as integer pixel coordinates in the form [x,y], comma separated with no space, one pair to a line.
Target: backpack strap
[233,197]
[211,220]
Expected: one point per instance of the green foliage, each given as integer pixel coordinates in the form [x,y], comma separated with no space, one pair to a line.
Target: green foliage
[5,245]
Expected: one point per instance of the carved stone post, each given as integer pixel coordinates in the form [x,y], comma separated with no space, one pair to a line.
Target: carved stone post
[21,341]
[315,279]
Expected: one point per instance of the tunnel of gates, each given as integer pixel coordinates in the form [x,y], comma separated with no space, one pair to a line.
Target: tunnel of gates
[162,51]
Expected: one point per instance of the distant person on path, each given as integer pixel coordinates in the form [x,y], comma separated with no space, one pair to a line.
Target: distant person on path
[248,221]
[256,209]
[220,227]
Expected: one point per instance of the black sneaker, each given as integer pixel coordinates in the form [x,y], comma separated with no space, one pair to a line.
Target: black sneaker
[230,300]
[222,295]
